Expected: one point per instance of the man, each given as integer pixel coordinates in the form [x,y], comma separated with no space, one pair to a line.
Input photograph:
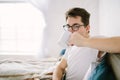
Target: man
[76,59]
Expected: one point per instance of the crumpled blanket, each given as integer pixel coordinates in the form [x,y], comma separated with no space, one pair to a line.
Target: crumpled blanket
[11,69]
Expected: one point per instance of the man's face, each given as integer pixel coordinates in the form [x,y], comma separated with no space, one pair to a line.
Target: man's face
[83,30]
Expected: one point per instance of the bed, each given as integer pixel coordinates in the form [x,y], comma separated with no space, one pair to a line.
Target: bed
[31,69]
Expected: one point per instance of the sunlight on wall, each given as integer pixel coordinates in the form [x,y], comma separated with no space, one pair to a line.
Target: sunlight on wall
[21,28]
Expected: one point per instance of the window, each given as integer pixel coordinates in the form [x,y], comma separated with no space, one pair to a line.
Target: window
[21,28]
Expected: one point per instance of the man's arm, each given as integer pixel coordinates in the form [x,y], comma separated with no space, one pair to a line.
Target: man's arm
[103,44]
[59,70]
[111,45]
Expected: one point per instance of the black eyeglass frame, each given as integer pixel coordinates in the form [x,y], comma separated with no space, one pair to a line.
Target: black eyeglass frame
[74,27]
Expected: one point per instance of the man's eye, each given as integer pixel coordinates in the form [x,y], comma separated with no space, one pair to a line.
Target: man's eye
[76,26]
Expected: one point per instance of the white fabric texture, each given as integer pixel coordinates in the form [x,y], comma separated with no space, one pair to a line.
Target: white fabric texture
[11,69]
[91,68]
[78,61]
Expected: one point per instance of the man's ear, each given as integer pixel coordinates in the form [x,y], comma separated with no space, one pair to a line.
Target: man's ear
[88,28]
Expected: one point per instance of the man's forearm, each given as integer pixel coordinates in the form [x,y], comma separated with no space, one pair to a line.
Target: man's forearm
[104,44]
[57,74]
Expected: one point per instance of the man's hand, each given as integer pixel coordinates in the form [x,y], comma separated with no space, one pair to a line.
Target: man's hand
[76,39]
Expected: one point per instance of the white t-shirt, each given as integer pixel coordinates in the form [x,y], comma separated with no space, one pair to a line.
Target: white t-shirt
[78,61]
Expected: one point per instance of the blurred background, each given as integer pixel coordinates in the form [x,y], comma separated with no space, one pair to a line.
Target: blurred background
[33,27]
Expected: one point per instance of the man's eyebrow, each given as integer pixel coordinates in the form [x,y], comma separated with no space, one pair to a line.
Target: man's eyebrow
[73,24]
[76,24]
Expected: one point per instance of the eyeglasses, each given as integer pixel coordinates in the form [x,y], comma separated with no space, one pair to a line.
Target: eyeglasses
[74,27]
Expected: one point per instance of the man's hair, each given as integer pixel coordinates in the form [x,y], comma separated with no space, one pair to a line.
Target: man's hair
[74,12]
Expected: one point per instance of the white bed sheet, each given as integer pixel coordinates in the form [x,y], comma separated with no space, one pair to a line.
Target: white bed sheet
[11,69]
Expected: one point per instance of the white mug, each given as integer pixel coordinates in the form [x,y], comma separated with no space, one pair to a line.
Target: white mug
[63,41]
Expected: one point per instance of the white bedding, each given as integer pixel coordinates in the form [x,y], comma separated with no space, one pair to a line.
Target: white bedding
[11,69]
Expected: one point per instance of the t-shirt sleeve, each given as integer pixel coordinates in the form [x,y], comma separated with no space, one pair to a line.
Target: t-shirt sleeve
[65,56]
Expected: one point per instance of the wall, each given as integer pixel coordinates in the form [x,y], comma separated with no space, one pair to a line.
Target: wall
[109,17]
